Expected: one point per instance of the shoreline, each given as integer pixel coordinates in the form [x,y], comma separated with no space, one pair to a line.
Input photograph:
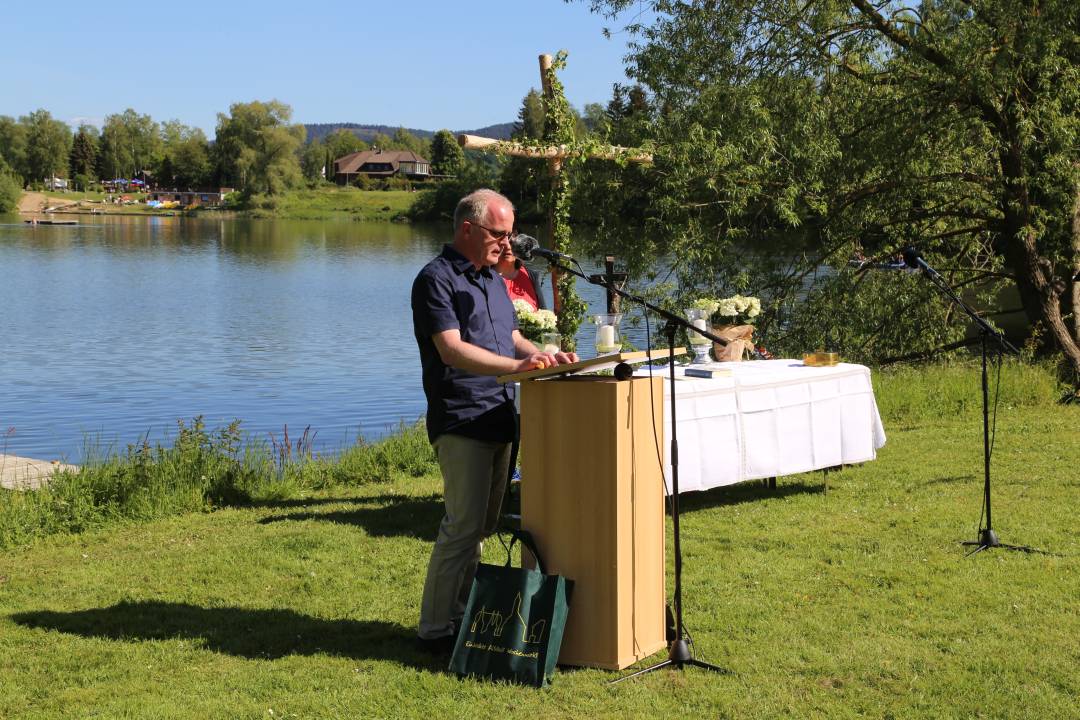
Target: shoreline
[324,204]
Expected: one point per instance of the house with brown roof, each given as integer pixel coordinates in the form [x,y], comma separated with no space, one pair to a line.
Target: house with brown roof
[380,164]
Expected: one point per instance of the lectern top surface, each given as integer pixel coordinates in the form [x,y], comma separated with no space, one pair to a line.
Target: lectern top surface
[596,364]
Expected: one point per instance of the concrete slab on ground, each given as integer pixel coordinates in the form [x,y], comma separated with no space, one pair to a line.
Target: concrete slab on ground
[19,473]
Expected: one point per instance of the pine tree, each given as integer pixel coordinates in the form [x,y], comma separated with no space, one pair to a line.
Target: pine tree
[84,152]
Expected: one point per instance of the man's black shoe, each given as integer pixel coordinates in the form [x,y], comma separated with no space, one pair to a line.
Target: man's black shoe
[436,646]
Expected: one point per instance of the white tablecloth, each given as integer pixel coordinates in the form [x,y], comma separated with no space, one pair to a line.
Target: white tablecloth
[769,418]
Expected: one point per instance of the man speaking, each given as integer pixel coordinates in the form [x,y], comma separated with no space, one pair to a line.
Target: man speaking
[467,334]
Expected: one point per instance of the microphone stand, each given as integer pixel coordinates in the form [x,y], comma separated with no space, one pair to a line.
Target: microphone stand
[679,654]
[987,537]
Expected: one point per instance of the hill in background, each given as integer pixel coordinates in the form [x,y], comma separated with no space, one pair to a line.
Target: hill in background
[317,131]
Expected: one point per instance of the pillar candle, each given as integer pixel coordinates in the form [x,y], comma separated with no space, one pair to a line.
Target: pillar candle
[693,337]
[605,337]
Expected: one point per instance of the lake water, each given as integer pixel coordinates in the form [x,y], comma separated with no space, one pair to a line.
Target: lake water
[114,329]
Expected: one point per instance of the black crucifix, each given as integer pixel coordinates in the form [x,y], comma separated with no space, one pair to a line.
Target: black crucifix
[555,154]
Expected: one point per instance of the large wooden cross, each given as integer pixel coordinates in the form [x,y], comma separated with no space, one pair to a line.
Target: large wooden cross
[555,154]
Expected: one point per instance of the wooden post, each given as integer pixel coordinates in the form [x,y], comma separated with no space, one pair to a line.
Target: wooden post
[612,278]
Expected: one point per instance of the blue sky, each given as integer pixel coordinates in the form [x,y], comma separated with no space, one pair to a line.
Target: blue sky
[422,64]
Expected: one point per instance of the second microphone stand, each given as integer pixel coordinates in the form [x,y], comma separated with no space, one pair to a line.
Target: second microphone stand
[679,653]
[987,537]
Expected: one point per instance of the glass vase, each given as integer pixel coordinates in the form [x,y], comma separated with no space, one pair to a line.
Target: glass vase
[698,342]
[608,338]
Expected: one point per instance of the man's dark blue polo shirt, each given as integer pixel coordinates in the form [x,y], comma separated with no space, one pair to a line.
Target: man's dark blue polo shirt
[451,294]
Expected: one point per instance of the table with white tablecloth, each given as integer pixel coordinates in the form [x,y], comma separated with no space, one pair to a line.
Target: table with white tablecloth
[769,418]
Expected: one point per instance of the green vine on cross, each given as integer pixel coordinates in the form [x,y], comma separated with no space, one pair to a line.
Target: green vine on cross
[562,151]
[559,130]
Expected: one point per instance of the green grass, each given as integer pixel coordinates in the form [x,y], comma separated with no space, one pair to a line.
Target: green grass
[857,602]
[201,470]
[327,202]
[92,201]
[333,203]
[74,196]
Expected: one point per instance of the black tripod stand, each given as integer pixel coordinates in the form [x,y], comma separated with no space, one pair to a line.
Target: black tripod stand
[987,537]
[679,654]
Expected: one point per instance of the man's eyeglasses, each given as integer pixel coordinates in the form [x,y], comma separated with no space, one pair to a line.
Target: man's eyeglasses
[499,235]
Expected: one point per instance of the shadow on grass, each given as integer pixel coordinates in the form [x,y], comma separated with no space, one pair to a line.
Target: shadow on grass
[389,515]
[302,502]
[744,493]
[249,633]
[950,479]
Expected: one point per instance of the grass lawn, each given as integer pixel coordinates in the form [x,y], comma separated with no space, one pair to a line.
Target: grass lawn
[327,202]
[857,602]
[75,196]
[334,203]
[93,202]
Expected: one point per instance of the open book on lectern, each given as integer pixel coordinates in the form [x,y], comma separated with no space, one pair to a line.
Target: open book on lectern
[592,365]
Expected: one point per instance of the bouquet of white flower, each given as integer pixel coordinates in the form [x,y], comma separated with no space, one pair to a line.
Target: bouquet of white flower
[533,323]
[735,310]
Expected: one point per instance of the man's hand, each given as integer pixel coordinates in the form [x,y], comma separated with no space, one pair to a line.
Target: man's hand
[541,360]
[565,358]
[536,361]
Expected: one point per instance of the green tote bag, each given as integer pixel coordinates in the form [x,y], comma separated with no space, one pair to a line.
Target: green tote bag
[514,621]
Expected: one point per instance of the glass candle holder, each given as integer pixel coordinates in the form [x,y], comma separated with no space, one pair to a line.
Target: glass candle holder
[608,339]
[550,342]
[698,342]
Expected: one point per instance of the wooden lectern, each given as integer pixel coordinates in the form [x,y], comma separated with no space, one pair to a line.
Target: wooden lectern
[592,495]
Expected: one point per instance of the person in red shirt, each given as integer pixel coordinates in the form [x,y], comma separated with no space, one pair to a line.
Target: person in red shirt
[519,283]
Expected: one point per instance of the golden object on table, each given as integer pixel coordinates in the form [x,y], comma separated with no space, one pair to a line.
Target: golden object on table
[820,359]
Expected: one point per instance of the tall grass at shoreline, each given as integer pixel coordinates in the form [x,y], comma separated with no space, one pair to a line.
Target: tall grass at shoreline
[200,471]
[207,469]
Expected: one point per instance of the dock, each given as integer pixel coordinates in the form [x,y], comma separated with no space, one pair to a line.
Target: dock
[19,473]
[51,222]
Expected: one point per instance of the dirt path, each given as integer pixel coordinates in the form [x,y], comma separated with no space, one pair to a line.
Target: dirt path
[33,202]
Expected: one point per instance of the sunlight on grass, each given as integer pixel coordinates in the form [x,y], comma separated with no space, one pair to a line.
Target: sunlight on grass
[301,595]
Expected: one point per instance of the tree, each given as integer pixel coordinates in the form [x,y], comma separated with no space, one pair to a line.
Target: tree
[845,121]
[257,148]
[48,143]
[447,157]
[340,143]
[313,161]
[184,158]
[10,188]
[519,179]
[614,197]
[130,144]
[381,141]
[530,119]
[405,140]
[84,151]
[13,144]
[595,119]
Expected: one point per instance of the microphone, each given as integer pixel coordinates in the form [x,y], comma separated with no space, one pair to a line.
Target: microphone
[912,258]
[526,246]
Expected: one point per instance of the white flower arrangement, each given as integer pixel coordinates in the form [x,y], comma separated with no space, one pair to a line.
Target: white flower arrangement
[735,310]
[533,323]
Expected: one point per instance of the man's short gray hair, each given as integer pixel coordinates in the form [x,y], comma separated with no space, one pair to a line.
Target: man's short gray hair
[474,206]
